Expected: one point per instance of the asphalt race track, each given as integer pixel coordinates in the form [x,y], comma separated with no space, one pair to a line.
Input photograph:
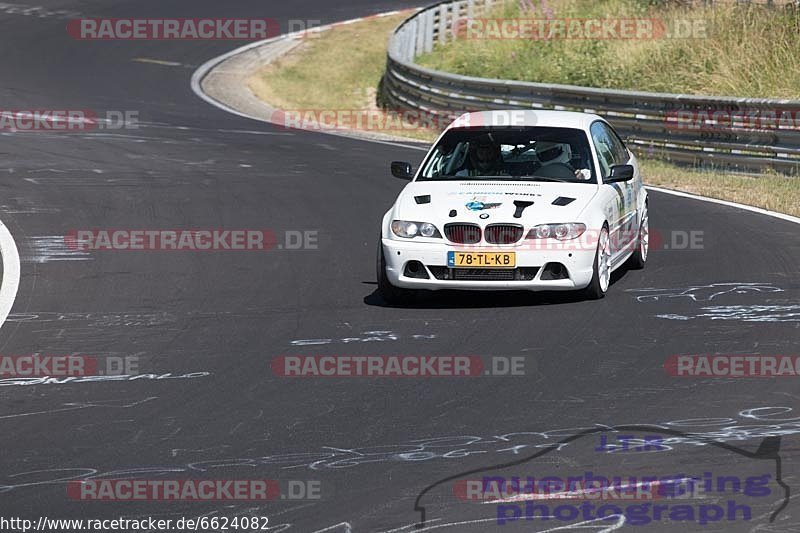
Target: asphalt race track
[214,321]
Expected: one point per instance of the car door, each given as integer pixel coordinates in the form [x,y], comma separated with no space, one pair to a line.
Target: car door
[611,152]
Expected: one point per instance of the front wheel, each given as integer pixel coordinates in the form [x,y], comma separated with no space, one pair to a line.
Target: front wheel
[639,257]
[601,276]
[390,294]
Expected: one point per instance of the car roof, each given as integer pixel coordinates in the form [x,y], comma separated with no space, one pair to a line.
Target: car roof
[525,117]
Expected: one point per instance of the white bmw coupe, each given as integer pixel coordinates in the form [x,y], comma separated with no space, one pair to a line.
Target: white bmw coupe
[516,200]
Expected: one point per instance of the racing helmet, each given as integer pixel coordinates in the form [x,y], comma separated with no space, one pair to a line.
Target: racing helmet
[551,152]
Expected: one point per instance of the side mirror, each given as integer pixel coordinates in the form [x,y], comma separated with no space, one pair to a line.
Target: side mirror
[620,173]
[402,170]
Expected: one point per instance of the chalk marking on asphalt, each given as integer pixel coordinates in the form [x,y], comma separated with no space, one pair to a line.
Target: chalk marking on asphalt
[580,525]
[48,380]
[74,406]
[369,336]
[39,12]
[752,209]
[703,293]
[49,248]
[156,62]
[744,313]
[11,272]
[346,525]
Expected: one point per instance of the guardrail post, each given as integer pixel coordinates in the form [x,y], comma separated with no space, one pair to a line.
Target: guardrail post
[442,37]
[411,47]
[428,34]
[420,34]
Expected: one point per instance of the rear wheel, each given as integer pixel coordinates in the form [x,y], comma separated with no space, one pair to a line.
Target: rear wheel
[601,276]
[390,294]
[639,257]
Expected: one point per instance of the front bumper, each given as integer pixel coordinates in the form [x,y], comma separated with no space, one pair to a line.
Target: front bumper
[531,263]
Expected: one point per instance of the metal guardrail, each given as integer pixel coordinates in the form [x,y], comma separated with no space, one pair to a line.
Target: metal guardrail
[649,121]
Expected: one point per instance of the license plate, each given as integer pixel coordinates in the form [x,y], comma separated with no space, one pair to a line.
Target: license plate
[481,260]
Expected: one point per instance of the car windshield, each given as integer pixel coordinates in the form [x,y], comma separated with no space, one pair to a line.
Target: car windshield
[517,153]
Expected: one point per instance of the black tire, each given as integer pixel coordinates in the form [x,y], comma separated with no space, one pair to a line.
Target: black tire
[639,257]
[390,294]
[594,291]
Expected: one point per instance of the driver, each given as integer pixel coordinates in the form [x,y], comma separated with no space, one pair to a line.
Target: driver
[485,158]
[550,153]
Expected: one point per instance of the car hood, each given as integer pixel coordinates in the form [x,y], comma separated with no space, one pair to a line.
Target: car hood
[485,202]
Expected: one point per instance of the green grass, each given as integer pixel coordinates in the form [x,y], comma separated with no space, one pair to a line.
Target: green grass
[749,50]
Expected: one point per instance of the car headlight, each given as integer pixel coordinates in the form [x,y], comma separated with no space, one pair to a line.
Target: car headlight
[561,232]
[409,230]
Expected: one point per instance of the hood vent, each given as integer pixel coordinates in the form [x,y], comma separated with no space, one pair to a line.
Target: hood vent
[423,199]
[562,201]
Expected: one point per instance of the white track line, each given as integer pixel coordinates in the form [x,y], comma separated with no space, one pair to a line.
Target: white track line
[11,272]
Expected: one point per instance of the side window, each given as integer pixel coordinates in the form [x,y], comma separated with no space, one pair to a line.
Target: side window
[604,147]
[621,156]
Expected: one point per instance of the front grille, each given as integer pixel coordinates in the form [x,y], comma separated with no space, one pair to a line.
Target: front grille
[463,233]
[484,274]
[503,233]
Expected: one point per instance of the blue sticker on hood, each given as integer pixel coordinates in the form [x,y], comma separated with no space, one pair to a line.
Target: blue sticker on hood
[480,206]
